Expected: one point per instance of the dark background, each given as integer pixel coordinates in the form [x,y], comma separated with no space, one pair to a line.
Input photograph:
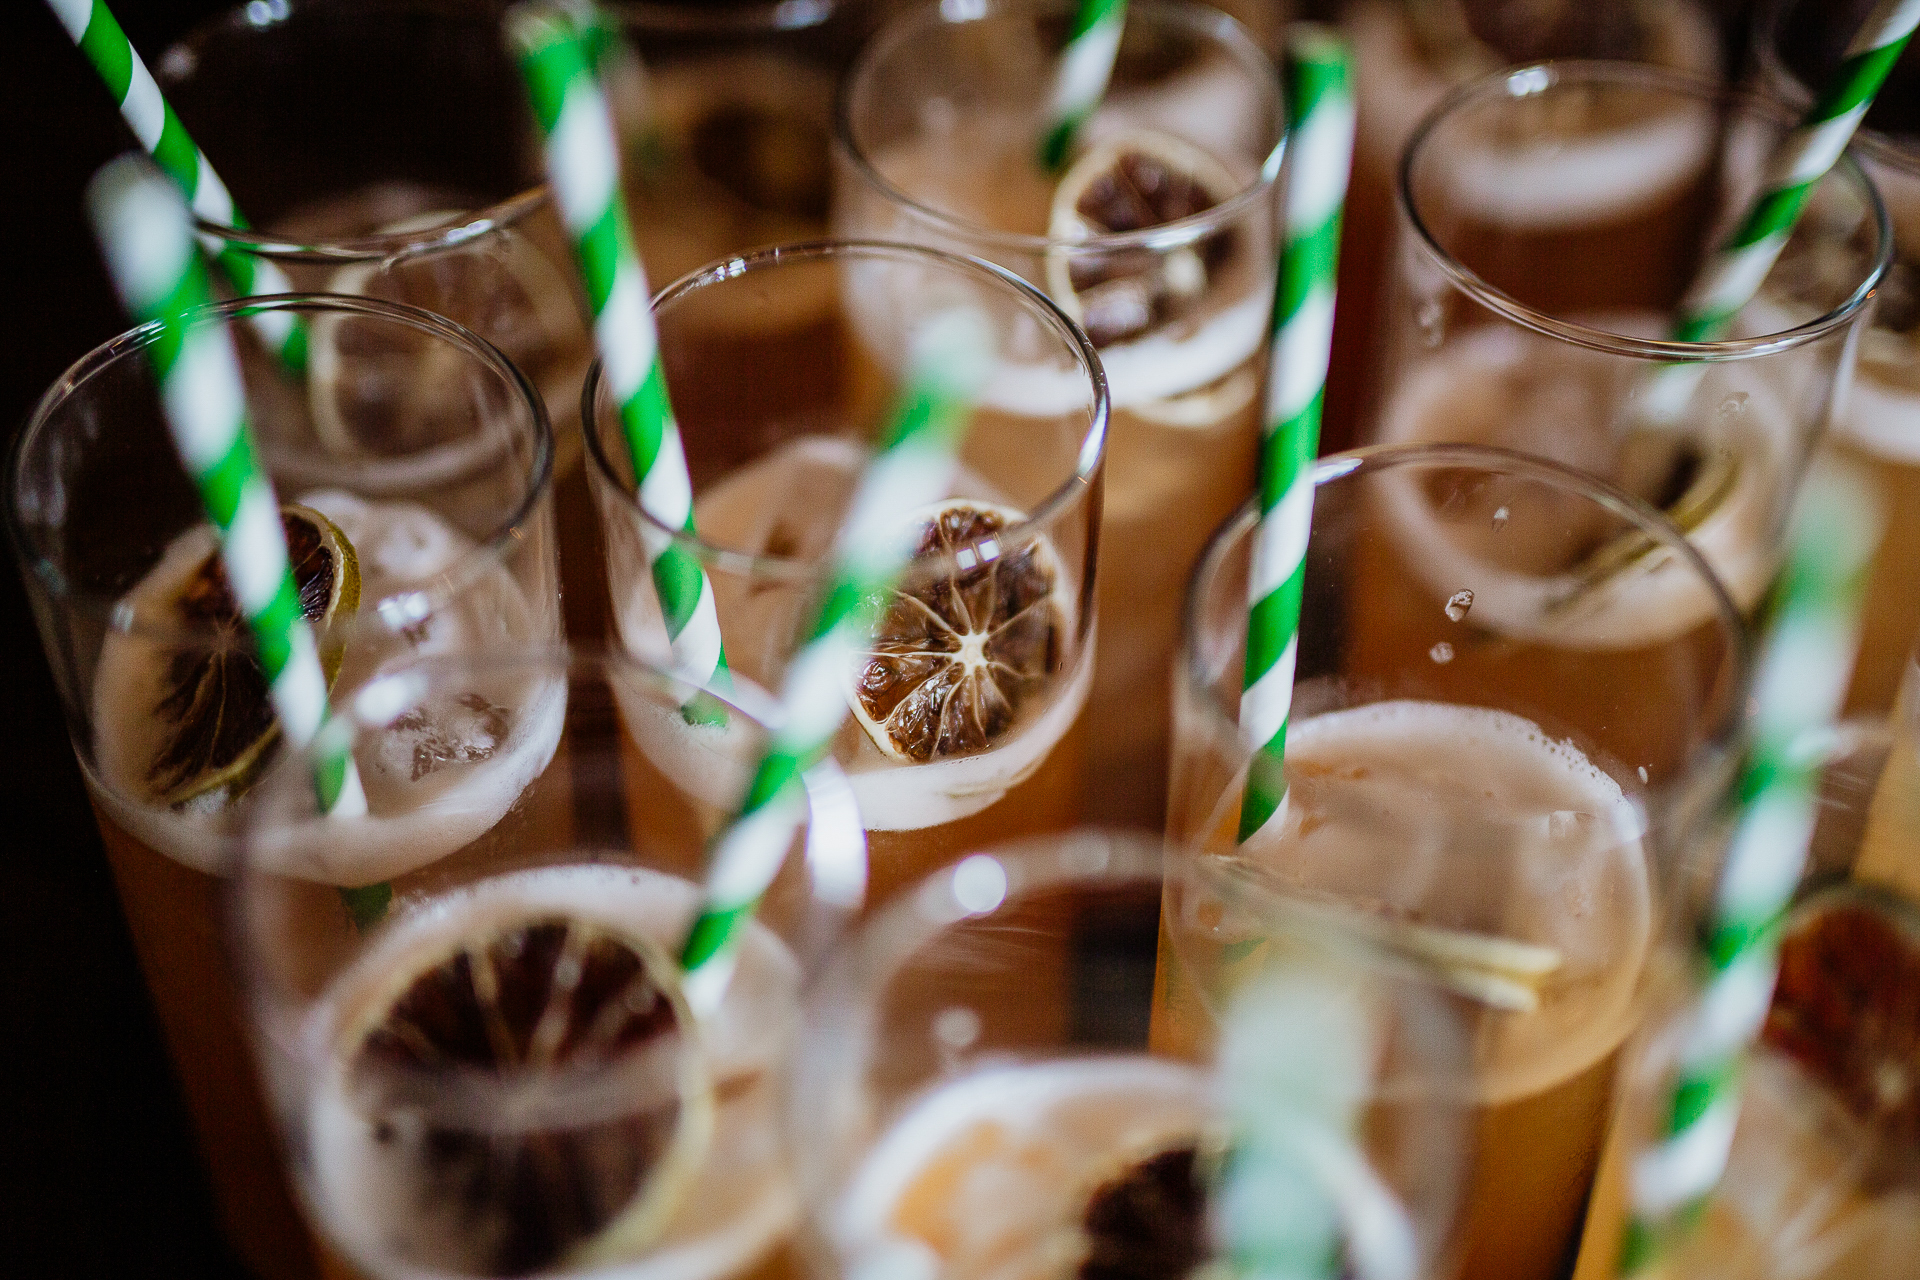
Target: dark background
[98,1175]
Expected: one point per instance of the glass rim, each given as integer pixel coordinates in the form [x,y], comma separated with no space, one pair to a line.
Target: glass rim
[1896,151]
[80,373]
[454,231]
[1375,459]
[1089,459]
[730,18]
[874,947]
[1529,80]
[1199,20]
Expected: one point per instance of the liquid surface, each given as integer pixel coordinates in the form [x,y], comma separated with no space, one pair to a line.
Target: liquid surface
[437,778]
[739,1204]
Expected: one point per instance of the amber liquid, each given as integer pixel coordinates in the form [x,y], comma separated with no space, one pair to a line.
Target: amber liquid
[1890,616]
[175,916]
[1168,488]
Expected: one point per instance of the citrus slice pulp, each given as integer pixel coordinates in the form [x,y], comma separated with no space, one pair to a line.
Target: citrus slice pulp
[214,706]
[953,659]
[537,1094]
[1133,182]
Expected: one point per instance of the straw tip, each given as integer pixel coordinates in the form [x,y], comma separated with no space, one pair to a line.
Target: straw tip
[535,26]
[1319,44]
[143,226]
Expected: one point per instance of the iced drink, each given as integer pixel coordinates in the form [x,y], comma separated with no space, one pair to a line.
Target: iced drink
[501,1076]
[965,1121]
[434,550]
[965,716]
[1549,224]
[1408,56]
[1523,868]
[1157,239]
[1479,750]
[383,150]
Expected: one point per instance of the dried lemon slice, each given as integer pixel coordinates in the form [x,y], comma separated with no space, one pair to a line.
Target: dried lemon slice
[534,1094]
[384,389]
[954,657]
[215,721]
[1133,182]
[1846,1010]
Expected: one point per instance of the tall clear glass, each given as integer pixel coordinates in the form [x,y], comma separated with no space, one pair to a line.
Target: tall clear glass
[966,721]
[975,1093]
[1823,1181]
[1504,670]
[500,1075]
[447,545]
[383,148]
[726,130]
[1877,428]
[1530,296]
[1407,57]
[1158,239]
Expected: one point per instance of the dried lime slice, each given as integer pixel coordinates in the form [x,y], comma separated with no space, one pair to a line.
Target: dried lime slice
[383,389]
[1847,1008]
[954,657]
[1134,182]
[536,1094]
[218,722]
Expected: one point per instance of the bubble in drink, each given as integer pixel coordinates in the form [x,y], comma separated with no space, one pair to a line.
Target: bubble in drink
[1459,602]
[1442,653]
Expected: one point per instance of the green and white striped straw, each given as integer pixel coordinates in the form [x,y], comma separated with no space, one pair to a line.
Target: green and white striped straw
[1086,64]
[97,33]
[1297,1198]
[146,234]
[950,359]
[1742,261]
[583,165]
[1319,86]
[1798,686]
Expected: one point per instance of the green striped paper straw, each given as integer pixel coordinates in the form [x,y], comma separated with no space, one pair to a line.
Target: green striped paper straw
[1798,686]
[97,33]
[146,234]
[583,164]
[1319,87]
[1086,64]
[1741,263]
[1297,1198]
[949,361]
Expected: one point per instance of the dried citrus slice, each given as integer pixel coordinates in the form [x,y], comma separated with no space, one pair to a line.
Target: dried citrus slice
[955,656]
[1847,1008]
[379,388]
[1133,182]
[535,1095]
[216,722]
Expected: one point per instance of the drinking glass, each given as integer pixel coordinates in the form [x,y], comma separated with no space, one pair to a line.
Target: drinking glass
[1551,218]
[1504,671]
[383,148]
[1822,1181]
[499,1074]
[1407,57]
[452,541]
[1158,239]
[1877,427]
[976,1096]
[966,719]
[725,128]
